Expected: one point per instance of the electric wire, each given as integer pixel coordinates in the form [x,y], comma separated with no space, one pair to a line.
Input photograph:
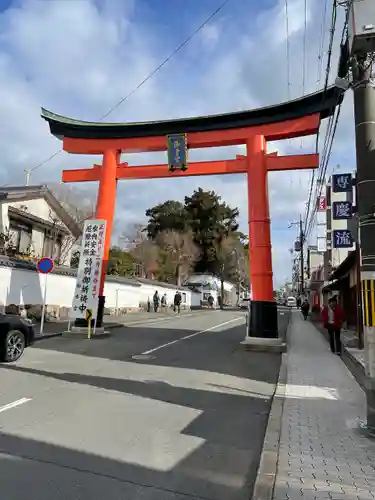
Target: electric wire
[287,48]
[304,52]
[330,134]
[321,46]
[318,81]
[322,162]
[146,79]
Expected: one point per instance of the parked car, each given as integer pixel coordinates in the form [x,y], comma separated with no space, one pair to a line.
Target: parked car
[16,333]
[244,303]
[292,302]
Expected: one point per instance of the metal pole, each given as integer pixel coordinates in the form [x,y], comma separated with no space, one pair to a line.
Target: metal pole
[301,237]
[28,175]
[358,277]
[364,113]
[44,305]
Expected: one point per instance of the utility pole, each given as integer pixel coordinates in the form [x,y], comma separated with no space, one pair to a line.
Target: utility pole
[302,241]
[299,247]
[28,175]
[364,113]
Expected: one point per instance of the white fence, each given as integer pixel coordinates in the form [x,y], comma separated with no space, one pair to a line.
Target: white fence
[23,286]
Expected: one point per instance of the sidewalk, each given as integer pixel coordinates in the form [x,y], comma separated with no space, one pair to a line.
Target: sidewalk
[322,454]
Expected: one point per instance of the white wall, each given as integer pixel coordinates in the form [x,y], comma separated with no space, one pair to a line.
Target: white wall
[38,207]
[209,279]
[21,287]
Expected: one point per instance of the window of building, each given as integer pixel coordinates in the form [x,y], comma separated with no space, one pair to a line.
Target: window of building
[20,237]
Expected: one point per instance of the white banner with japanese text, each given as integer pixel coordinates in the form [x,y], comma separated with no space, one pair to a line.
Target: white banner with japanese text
[86,293]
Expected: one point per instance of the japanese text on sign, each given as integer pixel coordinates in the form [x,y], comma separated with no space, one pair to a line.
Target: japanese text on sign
[342,183]
[177,151]
[89,269]
[342,209]
[342,238]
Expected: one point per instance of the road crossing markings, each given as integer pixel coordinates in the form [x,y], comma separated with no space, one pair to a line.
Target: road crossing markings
[9,406]
[192,335]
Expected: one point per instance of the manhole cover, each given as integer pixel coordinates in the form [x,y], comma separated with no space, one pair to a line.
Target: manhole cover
[143,357]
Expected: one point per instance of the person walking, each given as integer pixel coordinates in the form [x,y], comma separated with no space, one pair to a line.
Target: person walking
[156,300]
[305,309]
[177,302]
[332,316]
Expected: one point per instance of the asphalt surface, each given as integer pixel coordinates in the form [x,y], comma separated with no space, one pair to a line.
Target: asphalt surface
[82,420]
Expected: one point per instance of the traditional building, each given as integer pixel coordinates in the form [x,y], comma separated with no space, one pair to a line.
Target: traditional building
[34,224]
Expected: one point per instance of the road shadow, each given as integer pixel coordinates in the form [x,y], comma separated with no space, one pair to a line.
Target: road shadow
[34,469]
[231,429]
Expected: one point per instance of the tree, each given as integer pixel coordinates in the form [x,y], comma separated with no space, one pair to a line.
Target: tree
[143,250]
[179,251]
[210,219]
[120,263]
[78,205]
[166,216]
[225,257]
[204,215]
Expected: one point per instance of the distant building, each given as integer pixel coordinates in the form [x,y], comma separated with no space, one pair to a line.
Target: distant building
[209,284]
[34,224]
[336,242]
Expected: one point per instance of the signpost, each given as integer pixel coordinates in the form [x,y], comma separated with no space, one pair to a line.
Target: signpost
[88,319]
[86,293]
[45,266]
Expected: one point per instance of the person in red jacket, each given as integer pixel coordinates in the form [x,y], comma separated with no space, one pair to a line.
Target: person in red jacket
[332,316]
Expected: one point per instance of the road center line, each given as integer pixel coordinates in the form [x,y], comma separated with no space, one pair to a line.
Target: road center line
[14,404]
[191,335]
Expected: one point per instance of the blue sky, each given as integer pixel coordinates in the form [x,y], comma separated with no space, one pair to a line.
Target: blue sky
[79,57]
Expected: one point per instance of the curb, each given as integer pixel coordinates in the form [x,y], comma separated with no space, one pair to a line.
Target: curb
[46,336]
[267,470]
[112,326]
[355,367]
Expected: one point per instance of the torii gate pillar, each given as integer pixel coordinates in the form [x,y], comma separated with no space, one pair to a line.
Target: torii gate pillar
[263,309]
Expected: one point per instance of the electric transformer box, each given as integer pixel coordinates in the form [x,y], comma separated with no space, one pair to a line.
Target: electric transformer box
[361,27]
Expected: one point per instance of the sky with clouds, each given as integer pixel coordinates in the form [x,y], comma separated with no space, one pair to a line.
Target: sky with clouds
[80,57]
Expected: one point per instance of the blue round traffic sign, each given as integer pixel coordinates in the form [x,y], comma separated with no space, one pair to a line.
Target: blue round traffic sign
[45,265]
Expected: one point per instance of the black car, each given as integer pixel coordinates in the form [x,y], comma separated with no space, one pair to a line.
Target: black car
[16,333]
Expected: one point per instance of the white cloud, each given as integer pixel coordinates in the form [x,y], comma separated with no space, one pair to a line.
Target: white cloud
[78,58]
[210,35]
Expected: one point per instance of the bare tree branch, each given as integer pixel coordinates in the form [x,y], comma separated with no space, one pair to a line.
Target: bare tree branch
[180,251]
[143,250]
[78,206]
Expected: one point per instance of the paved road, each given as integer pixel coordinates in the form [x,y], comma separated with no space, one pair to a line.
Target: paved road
[187,422]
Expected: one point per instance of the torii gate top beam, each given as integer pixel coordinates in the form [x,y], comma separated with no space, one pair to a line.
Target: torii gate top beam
[295,118]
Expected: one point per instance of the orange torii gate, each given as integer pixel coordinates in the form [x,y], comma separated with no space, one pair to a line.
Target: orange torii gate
[253,129]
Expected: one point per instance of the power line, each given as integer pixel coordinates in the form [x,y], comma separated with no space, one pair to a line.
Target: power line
[148,77]
[287,49]
[322,162]
[321,46]
[332,125]
[304,52]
